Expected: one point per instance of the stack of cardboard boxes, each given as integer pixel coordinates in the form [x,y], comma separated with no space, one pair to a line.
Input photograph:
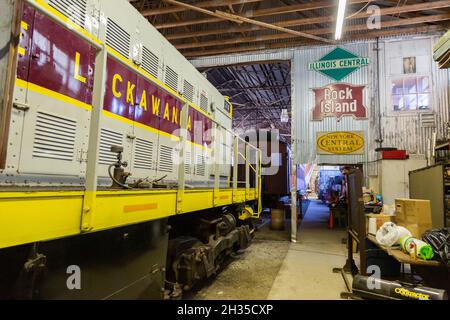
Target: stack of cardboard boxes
[413,214]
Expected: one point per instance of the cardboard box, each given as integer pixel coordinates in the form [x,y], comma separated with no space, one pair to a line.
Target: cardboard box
[415,229]
[414,215]
[381,219]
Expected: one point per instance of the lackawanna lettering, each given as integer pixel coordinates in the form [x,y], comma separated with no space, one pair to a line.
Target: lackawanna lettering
[187,310]
[148,102]
[339,64]
[338,101]
[410,294]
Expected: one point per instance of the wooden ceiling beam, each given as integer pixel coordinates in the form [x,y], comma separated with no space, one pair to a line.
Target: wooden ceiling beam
[274,27]
[207,12]
[321,31]
[204,4]
[290,43]
[309,21]
[239,19]
[260,13]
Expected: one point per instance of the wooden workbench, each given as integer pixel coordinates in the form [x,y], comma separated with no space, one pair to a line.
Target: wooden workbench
[402,257]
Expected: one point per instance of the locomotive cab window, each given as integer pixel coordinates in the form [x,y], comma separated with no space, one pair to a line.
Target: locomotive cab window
[227,106]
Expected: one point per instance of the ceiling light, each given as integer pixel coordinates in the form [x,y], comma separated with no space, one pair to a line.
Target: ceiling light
[340,19]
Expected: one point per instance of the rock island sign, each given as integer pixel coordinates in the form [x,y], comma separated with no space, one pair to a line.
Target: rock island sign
[338,100]
[338,64]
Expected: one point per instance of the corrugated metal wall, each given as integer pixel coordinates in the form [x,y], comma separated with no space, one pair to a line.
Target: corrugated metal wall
[403,130]
[225,60]
[304,80]
[398,129]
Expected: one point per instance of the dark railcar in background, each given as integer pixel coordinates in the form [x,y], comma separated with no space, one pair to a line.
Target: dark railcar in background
[276,169]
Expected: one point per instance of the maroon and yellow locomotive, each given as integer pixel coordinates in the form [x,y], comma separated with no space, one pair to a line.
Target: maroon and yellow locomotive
[120,167]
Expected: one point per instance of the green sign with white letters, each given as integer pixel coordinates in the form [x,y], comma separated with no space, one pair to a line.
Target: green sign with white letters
[338,64]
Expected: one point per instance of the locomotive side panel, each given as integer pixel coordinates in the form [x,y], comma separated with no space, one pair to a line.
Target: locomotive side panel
[58,94]
[53,101]
[111,232]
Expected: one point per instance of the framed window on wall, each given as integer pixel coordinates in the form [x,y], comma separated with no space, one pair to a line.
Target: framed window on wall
[411,92]
[409,80]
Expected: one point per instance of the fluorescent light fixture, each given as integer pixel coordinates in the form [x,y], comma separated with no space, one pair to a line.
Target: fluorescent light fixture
[340,19]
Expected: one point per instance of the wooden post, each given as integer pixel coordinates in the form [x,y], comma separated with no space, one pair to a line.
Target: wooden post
[10,17]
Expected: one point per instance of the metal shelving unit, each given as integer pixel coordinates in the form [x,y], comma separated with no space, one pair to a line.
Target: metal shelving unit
[433,183]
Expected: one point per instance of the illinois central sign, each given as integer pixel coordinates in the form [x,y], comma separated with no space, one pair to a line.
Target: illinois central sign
[338,64]
[338,100]
[340,143]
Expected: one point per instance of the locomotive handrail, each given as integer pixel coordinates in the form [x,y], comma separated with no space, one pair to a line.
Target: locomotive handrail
[251,167]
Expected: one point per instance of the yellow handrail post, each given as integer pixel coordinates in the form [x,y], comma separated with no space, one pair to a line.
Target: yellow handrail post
[182,157]
[94,140]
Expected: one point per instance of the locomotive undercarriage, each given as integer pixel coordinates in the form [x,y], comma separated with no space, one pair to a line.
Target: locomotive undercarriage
[200,255]
[150,260]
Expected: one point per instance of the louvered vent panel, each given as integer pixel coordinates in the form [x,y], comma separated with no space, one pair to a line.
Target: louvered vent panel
[203,102]
[150,62]
[165,163]
[117,38]
[200,167]
[428,120]
[75,10]
[187,163]
[188,91]
[54,137]
[171,79]
[109,138]
[143,154]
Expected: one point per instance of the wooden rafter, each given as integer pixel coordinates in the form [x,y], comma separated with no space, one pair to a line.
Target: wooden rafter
[290,43]
[274,27]
[260,13]
[194,8]
[316,20]
[239,19]
[232,26]
[204,4]
[315,31]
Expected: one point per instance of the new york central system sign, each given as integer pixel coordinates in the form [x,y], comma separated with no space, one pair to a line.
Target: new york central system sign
[338,64]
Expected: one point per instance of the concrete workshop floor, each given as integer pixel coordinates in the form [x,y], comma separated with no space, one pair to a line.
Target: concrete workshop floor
[306,272]
[274,268]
